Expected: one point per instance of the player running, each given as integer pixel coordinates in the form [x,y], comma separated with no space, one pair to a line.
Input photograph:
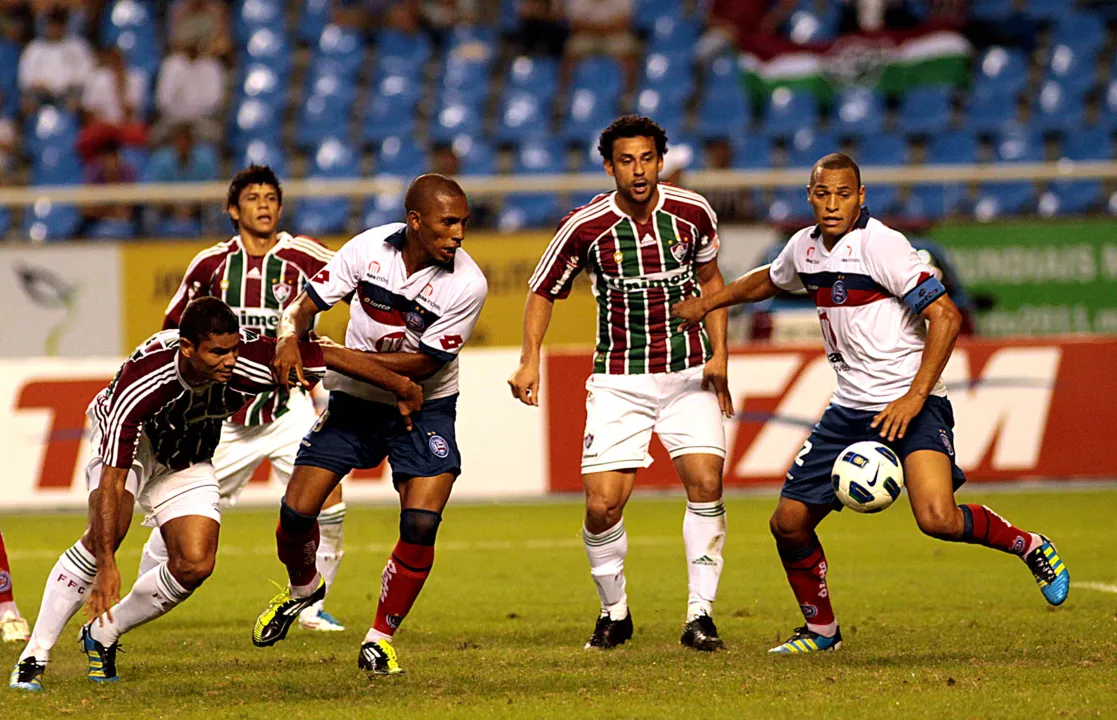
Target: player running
[155,428]
[257,273]
[889,328]
[646,245]
[418,297]
[13,627]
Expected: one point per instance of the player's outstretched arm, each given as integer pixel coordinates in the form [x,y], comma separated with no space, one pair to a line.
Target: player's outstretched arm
[715,375]
[104,528]
[364,366]
[524,383]
[753,286]
[294,324]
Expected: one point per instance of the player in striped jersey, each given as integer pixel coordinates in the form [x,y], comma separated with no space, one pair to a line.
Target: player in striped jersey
[156,426]
[889,328]
[645,246]
[258,273]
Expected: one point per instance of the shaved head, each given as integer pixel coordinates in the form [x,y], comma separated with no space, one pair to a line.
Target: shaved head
[425,188]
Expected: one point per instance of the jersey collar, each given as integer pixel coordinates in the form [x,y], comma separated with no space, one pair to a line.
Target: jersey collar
[861,224]
[658,203]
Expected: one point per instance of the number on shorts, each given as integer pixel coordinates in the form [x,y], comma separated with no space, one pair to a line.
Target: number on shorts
[806,449]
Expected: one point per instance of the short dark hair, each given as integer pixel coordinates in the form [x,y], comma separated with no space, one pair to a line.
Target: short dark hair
[427,187]
[629,126]
[252,175]
[836,161]
[207,316]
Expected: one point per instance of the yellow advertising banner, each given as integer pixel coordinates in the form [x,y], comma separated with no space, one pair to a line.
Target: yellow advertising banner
[152,271]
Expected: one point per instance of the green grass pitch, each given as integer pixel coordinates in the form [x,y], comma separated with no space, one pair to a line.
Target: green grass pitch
[931,629]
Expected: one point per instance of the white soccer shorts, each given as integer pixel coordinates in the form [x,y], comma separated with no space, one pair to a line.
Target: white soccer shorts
[243,448]
[622,412]
[163,494]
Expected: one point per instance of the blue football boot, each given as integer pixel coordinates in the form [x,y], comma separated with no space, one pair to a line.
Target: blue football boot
[808,641]
[1050,572]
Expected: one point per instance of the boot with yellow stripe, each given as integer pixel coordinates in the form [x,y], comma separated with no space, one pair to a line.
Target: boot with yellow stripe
[807,641]
[1050,572]
[102,660]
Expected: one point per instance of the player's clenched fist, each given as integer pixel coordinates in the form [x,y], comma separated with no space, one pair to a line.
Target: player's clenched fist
[408,402]
[524,383]
[690,311]
[287,358]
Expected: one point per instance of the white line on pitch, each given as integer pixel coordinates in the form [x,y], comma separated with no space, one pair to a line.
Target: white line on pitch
[1103,587]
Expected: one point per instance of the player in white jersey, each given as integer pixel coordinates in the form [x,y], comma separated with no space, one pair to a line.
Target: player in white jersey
[889,328]
[417,296]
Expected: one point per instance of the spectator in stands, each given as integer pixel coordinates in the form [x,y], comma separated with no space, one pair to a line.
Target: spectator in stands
[54,68]
[540,29]
[361,14]
[113,101]
[875,15]
[200,23]
[7,146]
[601,27]
[108,168]
[182,160]
[732,204]
[750,25]
[190,90]
[444,160]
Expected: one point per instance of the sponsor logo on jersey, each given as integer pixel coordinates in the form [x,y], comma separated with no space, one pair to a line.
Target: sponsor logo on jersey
[390,343]
[439,446]
[260,318]
[282,291]
[414,321]
[945,437]
[647,240]
[810,252]
[838,293]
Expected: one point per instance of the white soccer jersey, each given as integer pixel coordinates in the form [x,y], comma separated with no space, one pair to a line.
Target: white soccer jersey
[432,311]
[869,291]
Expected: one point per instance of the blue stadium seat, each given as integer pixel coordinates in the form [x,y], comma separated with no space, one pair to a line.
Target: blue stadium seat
[1057,109]
[260,81]
[536,75]
[1071,197]
[403,53]
[1073,69]
[808,145]
[1001,70]
[56,165]
[333,158]
[344,47]
[1047,9]
[5,220]
[109,229]
[50,127]
[952,148]
[809,25]
[252,15]
[271,48]
[989,112]
[883,150]
[540,156]
[1087,144]
[46,221]
[723,114]
[313,19]
[648,11]
[522,115]
[751,152]
[1109,105]
[991,10]
[590,112]
[933,202]
[400,156]
[254,119]
[673,34]
[324,115]
[883,200]
[1001,199]
[788,111]
[599,74]
[528,211]
[1083,31]
[124,16]
[858,112]
[382,209]
[926,110]
[467,79]
[9,73]
[475,156]
[260,152]
[386,117]
[472,35]
[455,116]
[669,76]
[172,227]
[723,72]
[1019,145]
[789,205]
[654,104]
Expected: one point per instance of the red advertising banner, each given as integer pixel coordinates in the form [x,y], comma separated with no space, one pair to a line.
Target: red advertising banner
[1023,409]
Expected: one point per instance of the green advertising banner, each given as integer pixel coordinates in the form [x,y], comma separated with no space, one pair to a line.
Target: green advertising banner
[1044,277]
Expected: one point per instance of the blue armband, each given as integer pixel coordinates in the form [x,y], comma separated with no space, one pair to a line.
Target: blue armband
[924,294]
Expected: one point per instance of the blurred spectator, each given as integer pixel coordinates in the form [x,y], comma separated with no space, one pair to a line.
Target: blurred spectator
[540,29]
[876,15]
[601,27]
[7,148]
[732,204]
[200,23]
[53,67]
[440,16]
[190,90]
[114,97]
[182,160]
[444,160]
[750,25]
[107,168]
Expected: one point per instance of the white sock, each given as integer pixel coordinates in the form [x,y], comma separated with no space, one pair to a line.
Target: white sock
[154,552]
[606,552]
[301,591]
[373,635]
[155,593]
[65,592]
[331,532]
[704,530]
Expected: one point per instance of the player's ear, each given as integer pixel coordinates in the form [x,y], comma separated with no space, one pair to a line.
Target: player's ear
[234,212]
[608,164]
[414,219]
[186,347]
[861,195]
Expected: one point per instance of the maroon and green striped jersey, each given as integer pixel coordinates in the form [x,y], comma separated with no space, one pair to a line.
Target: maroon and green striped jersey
[638,271]
[258,288]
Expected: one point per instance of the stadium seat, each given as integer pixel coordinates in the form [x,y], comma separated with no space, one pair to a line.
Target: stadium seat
[1001,70]
[522,115]
[124,16]
[254,119]
[1109,105]
[172,227]
[788,111]
[806,146]
[1019,145]
[475,156]
[271,48]
[952,148]
[926,110]
[324,115]
[668,75]
[403,53]
[455,116]
[540,156]
[751,153]
[883,150]
[991,10]
[882,200]
[260,152]
[654,104]
[386,117]
[933,202]
[809,25]
[789,205]
[649,11]
[382,209]
[673,35]
[9,73]
[1083,31]
[1000,199]
[343,46]
[536,75]
[50,126]
[47,221]
[252,15]
[1073,69]
[401,157]
[5,220]
[1047,10]
[1070,197]
[468,80]
[313,19]
[56,165]
[989,112]
[1057,109]
[260,81]
[590,112]
[528,211]
[602,75]
[333,158]
[111,230]
[858,112]
[723,113]
[1087,144]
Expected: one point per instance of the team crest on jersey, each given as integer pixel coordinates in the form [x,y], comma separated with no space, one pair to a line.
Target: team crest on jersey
[414,321]
[588,441]
[282,291]
[838,293]
[945,437]
[439,446]
[680,250]
[5,581]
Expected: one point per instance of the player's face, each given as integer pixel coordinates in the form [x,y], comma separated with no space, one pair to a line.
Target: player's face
[635,167]
[836,199]
[215,357]
[258,210]
[441,227]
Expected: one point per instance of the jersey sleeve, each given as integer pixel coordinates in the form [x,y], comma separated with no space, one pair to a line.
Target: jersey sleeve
[253,372]
[895,264]
[446,336]
[563,259]
[191,287]
[782,270]
[338,278]
[137,392]
[708,241]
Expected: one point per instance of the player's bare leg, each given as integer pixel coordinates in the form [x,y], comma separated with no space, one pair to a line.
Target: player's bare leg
[192,548]
[13,628]
[606,544]
[422,500]
[927,474]
[704,530]
[296,539]
[65,592]
[793,526]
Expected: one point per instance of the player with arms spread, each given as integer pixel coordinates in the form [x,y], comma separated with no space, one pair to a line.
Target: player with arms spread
[257,273]
[417,298]
[889,328]
[646,245]
[155,428]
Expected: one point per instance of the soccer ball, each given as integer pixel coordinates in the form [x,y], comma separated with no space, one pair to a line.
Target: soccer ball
[867,477]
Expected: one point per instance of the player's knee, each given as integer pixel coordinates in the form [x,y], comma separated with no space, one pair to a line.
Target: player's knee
[787,529]
[419,527]
[293,522]
[193,569]
[939,520]
[602,512]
